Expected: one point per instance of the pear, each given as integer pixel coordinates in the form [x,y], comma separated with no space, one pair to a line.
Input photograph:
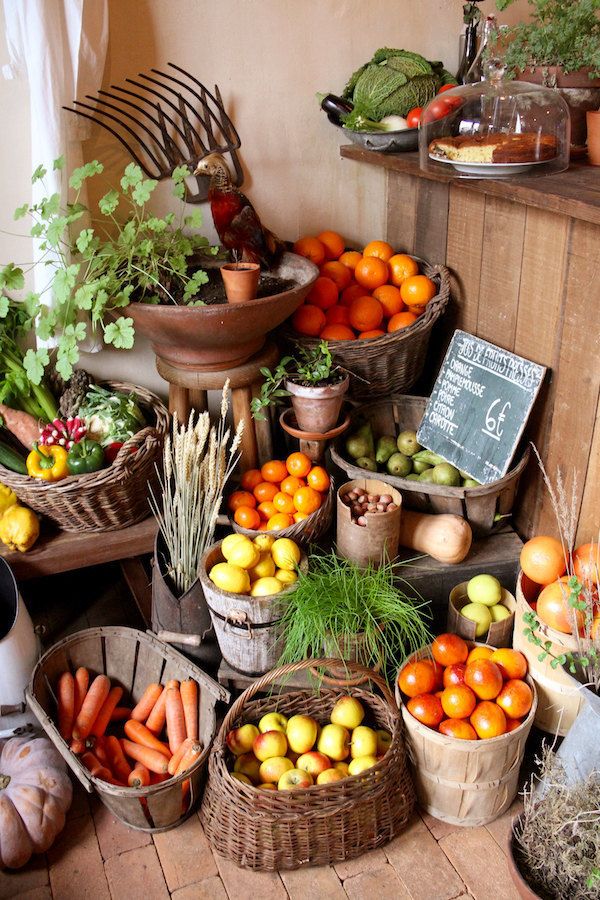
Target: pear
[366,462]
[419,465]
[407,443]
[386,445]
[427,476]
[362,440]
[470,483]
[399,465]
[445,474]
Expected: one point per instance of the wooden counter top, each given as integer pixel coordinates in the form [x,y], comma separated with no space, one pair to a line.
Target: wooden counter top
[574,193]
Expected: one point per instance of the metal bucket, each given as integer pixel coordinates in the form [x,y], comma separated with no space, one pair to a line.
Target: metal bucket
[19,651]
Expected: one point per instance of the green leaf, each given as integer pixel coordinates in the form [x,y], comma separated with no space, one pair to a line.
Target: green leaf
[34,363]
[76,331]
[4,306]
[120,333]
[38,174]
[108,203]
[122,298]
[21,211]
[143,191]
[542,656]
[58,164]
[64,282]
[131,176]
[50,206]
[180,173]
[195,220]
[83,296]
[12,278]
[84,239]
[32,304]
[55,230]
[553,663]
[179,191]
[78,176]
[155,224]
[46,324]
[37,230]
[194,284]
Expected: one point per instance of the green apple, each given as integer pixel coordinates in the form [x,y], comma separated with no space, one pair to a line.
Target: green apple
[361,763]
[334,742]
[363,742]
[484,589]
[348,711]
[499,612]
[479,614]
[273,721]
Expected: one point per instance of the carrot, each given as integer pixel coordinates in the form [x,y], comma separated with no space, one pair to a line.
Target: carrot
[139,777]
[116,758]
[100,753]
[120,713]
[189,758]
[137,732]
[158,779]
[189,699]
[92,705]
[96,768]
[66,705]
[152,759]
[175,719]
[179,754]
[25,428]
[106,710]
[156,720]
[143,708]
[77,747]
[82,680]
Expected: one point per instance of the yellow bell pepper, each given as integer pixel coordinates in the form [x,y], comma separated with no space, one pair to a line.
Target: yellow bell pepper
[7,498]
[47,462]
[19,528]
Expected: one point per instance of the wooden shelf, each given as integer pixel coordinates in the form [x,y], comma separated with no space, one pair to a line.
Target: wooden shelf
[574,193]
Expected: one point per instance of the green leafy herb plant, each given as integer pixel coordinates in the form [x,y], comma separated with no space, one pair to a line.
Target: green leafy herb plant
[128,255]
[311,366]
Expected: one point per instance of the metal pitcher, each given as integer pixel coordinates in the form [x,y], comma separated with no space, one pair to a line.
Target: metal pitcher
[19,651]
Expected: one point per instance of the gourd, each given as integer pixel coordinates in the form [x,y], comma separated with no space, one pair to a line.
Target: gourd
[35,794]
[446,537]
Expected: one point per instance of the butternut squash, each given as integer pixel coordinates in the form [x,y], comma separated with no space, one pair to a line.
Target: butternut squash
[445,537]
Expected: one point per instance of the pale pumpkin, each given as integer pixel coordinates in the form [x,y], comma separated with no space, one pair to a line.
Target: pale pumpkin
[35,794]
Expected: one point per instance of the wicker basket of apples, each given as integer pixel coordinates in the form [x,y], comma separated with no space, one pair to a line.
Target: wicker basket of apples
[305,778]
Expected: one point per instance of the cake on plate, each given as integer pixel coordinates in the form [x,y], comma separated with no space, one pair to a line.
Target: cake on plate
[495,148]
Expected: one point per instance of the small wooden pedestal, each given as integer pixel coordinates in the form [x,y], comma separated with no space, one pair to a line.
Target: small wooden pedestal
[187,390]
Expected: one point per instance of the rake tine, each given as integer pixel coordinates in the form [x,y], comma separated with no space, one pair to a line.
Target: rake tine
[124,125]
[239,174]
[115,134]
[123,112]
[164,99]
[194,93]
[218,103]
[209,132]
[154,106]
[167,87]
[186,124]
[172,152]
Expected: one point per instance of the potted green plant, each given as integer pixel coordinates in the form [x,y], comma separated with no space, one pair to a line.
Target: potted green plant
[315,383]
[558,47]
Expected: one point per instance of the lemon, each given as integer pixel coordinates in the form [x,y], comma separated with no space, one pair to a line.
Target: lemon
[231,578]
[285,576]
[231,541]
[264,568]
[264,587]
[264,541]
[242,553]
[286,554]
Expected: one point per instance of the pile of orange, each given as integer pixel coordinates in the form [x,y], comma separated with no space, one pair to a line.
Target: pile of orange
[279,493]
[359,295]
[469,694]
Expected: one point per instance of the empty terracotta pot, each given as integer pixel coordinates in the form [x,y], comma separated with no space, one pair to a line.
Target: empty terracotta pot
[317,409]
[593,137]
[240,280]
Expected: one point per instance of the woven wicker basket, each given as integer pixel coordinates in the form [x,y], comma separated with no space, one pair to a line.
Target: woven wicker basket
[393,363]
[305,532]
[112,498]
[321,825]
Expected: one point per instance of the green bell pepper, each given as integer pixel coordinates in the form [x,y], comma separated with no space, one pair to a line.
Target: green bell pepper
[85,456]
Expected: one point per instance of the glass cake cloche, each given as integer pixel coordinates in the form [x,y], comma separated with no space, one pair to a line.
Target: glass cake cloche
[495,128]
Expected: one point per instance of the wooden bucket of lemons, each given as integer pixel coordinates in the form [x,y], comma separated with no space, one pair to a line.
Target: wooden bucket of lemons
[246,596]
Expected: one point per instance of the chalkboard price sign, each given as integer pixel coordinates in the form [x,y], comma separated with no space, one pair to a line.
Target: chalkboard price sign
[479,406]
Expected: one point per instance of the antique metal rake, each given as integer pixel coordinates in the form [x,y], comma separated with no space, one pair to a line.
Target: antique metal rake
[184,124]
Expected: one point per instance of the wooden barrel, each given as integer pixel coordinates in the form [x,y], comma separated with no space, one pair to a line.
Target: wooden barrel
[499,633]
[462,782]
[559,701]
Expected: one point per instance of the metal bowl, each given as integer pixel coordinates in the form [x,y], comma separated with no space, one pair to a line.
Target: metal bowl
[386,141]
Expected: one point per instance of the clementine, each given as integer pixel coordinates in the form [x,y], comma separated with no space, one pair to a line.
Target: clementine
[333,242]
[488,720]
[307,500]
[250,479]
[390,299]
[458,728]
[284,503]
[484,678]
[247,517]
[241,498]
[379,249]
[265,491]
[512,663]
[458,701]
[309,320]
[318,479]
[323,293]
[373,333]
[515,698]
[274,471]
[339,274]
[298,464]
[402,266]
[266,509]
[311,248]
[371,272]
[350,259]
[449,649]
[542,559]
[337,333]
[366,313]
[417,678]
[426,708]
[337,315]
[291,484]
[401,320]
[279,521]
[417,290]
[352,293]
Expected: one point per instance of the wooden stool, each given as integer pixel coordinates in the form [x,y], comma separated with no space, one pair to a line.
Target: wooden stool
[187,390]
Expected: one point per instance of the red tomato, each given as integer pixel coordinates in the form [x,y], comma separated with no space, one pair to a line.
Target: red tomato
[446,87]
[440,107]
[414,116]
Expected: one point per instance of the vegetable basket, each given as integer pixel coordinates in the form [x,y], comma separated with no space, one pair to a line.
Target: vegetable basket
[478,505]
[320,825]
[132,660]
[112,498]
[390,364]
[306,531]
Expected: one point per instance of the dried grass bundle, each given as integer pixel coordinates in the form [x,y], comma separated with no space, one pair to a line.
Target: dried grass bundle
[196,466]
[558,838]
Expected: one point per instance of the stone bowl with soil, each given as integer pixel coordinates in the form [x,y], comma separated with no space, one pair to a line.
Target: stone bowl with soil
[220,335]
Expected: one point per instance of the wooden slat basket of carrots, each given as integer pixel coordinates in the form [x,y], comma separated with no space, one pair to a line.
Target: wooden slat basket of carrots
[133,718]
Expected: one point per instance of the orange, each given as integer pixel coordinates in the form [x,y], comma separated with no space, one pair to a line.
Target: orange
[264,491]
[390,299]
[307,500]
[351,293]
[542,559]
[333,242]
[350,259]
[274,471]
[458,728]
[371,272]
[373,333]
[312,248]
[366,313]
[279,521]
[484,678]
[449,649]
[401,320]
[417,678]
[337,315]
[337,333]
[515,698]
[283,503]
[241,498]
[586,563]
[379,249]
[323,293]
[247,517]
[488,720]
[427,709]
[250,479]
[512,663]
[318,479]
[299,516]
[554,609]
[402,266]
[309,320]
[458,701]
[479,653]
[298,464]
[339,274]
[266,509]
[291,484]
[512,724]
[417,290]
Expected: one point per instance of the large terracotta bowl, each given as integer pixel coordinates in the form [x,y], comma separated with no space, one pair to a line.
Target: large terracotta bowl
[213,338]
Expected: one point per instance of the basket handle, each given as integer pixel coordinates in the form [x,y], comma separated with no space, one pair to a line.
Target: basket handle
[126,455]
[275,674]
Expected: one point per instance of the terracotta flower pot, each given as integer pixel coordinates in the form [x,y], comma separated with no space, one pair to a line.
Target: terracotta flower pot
[519,882]
[580,92]
[317,409]
[593,136]
[240,280]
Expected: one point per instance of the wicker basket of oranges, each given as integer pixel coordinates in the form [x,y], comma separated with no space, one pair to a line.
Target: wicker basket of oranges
[376,307]
[288,498]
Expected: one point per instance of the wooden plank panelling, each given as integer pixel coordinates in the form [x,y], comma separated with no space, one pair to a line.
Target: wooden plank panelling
[503,232]
[431,227]
[589,515]
[463,254]
[401,193]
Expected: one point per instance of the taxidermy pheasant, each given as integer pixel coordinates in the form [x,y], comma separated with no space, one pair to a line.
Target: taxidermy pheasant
[236,221]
